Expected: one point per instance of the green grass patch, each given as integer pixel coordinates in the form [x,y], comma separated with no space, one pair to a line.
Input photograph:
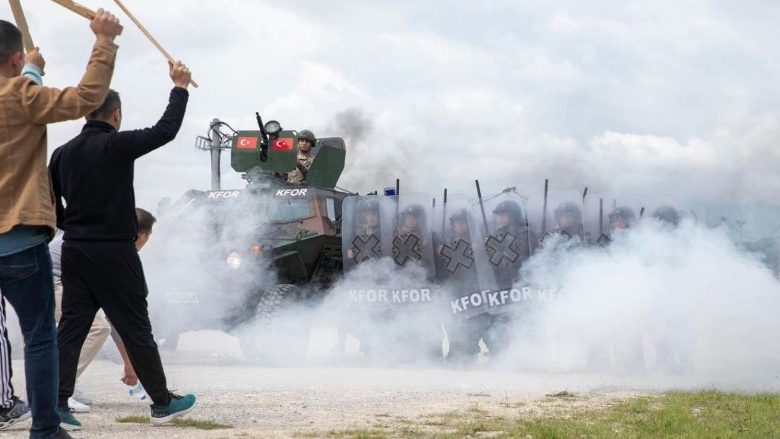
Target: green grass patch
[179,422]
[133,419]
[680,415]
[561,394]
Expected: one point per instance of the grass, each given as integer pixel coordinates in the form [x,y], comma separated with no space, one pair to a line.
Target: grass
[179,422]
[680,415]
[562,394]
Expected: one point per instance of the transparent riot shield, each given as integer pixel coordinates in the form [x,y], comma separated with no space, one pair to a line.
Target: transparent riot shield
[560,218]
[412,240]
[608,215]
[392,300]
[367,228]
[509,242]
[481,270]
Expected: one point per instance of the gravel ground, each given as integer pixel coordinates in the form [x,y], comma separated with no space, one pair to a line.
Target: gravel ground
[280,402]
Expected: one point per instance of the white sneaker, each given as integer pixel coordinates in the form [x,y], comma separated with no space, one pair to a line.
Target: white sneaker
[82,397]
[78,407]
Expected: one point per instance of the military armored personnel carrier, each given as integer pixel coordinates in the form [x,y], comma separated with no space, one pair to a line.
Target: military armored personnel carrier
[240,256]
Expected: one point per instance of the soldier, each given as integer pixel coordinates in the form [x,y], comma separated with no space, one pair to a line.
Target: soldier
[463,335]
[306,141]
[412,221]
[667,215]
[369,226]
[569,219]
[622,218]
[511,234]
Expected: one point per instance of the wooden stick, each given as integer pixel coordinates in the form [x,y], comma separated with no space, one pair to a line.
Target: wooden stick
[150,37]
[82,10]
[21,23]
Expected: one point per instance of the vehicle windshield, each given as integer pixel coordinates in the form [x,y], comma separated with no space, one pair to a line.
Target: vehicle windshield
[288,210]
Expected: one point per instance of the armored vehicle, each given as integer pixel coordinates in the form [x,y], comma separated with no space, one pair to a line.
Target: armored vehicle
[238,257]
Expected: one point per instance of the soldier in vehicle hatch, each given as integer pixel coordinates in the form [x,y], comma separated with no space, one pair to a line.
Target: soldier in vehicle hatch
[306,141]
[507,247]
[366,233]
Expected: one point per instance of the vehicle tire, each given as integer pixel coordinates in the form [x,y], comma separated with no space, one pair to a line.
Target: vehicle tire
[276,336]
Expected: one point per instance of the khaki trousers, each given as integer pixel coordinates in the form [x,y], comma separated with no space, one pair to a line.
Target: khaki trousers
[98,332]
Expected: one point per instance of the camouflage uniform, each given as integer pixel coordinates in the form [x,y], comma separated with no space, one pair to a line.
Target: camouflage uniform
[298,175]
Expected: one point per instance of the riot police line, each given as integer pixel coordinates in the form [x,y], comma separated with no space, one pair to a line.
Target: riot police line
[467,256]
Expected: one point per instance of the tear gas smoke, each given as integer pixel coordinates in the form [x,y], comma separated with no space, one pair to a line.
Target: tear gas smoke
[668,303]
[687,307]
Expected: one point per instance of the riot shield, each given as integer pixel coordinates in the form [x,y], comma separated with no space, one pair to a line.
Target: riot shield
[560,219]
[413,237]
[481,269]
[608,214]
[367,228]
[389,290]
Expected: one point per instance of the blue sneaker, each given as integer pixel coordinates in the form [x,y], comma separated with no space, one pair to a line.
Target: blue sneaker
[68,422]
[178,406]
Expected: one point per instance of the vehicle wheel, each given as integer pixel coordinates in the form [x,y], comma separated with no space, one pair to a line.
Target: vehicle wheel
[276,335]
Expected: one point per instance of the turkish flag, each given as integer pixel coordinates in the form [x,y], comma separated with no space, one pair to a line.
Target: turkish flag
[246,143]
[283,144]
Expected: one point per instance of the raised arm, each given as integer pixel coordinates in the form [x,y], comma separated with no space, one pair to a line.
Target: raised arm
[48,105]
[136,143]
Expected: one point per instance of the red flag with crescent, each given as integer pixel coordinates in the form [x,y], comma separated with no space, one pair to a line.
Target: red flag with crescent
[283,144]
[246,143]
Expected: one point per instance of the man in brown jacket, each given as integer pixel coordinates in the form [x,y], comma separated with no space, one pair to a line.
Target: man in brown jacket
[27,218]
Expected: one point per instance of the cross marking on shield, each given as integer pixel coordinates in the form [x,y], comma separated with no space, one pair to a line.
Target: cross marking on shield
[502,248]
[456,254]
[366,247]
[405,247]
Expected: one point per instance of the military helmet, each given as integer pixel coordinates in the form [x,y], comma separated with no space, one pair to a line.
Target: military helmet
[307,135]
[568,208]
[460,215]
[667,214]
[624,212]
[369,205]
[510,208]
[413,210]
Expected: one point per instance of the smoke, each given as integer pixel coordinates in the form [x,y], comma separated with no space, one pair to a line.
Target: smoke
[665,303]
[355,126]
[375,157]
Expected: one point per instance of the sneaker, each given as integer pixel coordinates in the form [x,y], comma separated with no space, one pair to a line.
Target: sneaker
[18,412]
[178,406]
[69,422]
[78,407]
[82,397]
[62,434]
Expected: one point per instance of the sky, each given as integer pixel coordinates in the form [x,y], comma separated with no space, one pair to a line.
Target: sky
[664,98]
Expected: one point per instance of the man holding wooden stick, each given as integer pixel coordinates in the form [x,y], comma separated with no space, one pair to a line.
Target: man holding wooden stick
[93,173]
[27,214]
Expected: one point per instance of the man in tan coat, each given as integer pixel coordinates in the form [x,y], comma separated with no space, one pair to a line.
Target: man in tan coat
[27,214]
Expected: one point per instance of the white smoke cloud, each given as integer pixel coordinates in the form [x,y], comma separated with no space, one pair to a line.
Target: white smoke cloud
[683,306]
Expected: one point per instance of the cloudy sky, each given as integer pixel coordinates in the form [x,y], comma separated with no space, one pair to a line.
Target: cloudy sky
[662,97]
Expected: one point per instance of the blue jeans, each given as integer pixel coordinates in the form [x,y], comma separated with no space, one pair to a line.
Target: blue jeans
[26,283]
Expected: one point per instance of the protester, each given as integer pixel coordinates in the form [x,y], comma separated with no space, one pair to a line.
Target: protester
[27,215]
[93,174]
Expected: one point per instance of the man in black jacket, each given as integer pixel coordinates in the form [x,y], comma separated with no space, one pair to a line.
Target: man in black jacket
[93,173]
